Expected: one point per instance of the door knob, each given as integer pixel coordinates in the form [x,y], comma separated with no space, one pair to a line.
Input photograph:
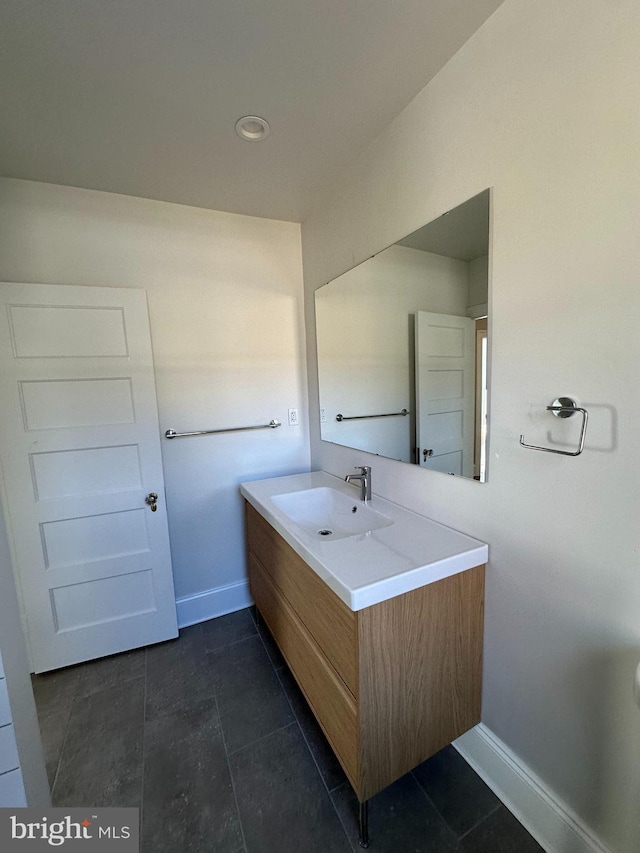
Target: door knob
[427,452]
[151,500]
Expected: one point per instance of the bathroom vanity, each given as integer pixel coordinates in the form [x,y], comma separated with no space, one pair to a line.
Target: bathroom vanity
[381,625]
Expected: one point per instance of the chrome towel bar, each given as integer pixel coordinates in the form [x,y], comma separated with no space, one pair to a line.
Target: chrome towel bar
[171,433]
[564,407]
[364,417]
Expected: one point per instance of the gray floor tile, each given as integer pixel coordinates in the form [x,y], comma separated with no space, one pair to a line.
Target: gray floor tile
[250,697]
[235,669]
[283,804]
[110,671]
[101,763]
[499,833]
[456,790]
[329,766]
[255,715]
[53,729]
[189,804]
[177,674]
[54,693]
[228,629]
[275,655]
[400,819]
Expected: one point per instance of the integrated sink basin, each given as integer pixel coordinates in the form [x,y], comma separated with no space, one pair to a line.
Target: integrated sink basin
[329,514]
[375,553]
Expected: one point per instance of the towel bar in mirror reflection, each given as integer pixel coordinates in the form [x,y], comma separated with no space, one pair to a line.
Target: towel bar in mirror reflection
[401,414]
[406,332]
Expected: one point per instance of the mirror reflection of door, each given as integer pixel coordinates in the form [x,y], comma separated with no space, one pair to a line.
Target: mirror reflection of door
[445,392]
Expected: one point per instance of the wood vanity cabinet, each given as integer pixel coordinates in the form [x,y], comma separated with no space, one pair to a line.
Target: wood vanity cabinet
[391,684]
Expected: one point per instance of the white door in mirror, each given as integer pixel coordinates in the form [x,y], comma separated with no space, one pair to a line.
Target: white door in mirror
[445,392]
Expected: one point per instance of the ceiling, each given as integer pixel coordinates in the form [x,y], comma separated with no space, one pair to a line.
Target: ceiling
[141,96]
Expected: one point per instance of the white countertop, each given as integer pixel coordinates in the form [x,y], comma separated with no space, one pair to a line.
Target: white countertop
[370,567]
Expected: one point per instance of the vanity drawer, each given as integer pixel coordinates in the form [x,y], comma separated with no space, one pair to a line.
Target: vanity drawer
[329,621]
[332,704]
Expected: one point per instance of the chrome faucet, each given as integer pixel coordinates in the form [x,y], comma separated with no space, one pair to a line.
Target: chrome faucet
[365,481]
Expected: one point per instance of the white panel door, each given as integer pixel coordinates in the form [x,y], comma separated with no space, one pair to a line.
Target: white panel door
[80,452]
[445,395]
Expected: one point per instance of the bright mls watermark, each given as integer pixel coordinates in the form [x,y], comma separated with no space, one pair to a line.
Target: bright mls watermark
[116,830]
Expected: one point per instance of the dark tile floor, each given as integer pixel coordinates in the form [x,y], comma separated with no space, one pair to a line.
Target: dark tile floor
[211,738]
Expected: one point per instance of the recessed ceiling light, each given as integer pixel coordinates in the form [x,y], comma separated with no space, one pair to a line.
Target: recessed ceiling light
[252,128]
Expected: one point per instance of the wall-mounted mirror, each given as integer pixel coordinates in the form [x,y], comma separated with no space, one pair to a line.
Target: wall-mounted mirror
[402,347]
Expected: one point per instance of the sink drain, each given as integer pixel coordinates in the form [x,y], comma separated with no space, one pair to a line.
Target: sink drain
[325,532]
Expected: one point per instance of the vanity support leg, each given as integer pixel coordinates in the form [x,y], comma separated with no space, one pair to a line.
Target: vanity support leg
[363,820]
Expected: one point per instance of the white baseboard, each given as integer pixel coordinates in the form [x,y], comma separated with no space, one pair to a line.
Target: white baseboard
[212,602]
[554,826]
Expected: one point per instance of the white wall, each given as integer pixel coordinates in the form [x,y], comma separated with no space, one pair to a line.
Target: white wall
[542,106]
[366,320]
[225,305]
[478,285]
